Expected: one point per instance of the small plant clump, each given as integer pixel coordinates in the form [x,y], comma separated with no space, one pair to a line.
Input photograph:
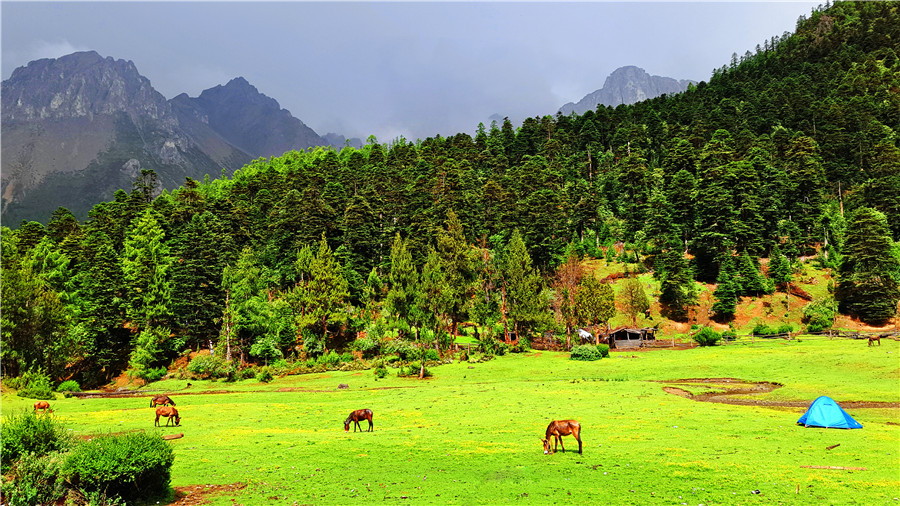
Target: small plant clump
[131,466]
[33,384]
[707,337]
[589,352]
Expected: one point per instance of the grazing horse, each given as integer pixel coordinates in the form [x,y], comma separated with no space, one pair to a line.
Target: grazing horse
[873,339]
[168,412]
[161,400]
[559,428]
[42,406]
[355,417]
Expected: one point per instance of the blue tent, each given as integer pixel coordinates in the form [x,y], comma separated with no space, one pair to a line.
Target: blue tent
[824,412]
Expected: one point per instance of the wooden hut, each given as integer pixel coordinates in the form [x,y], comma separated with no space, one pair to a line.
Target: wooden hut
[626,337]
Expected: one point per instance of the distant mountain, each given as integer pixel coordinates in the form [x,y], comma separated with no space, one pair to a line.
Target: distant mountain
[77,128]
[627,85]
[339,141]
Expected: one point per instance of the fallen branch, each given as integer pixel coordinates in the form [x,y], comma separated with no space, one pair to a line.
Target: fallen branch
[837,467]
[173,436]
[832,447]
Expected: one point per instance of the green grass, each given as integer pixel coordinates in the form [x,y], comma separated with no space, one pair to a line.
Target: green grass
[471,433]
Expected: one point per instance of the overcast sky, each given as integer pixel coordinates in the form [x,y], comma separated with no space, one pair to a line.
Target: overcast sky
[407,68]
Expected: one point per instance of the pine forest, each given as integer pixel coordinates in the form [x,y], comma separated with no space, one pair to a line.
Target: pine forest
[789,153]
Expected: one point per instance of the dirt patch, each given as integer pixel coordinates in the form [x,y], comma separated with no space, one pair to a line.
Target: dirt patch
[192,495]
[727,390]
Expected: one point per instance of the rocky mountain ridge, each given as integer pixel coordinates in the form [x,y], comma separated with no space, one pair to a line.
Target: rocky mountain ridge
[627,85]
[80,127]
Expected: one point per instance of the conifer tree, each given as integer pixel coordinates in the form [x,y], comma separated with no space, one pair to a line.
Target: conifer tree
[145,265]
[595,302]
[634,299]
[726,292]
[869,276]
[522,290]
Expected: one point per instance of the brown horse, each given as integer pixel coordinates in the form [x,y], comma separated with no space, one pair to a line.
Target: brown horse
[161,400]
[873,339]
[559,428]
[355,417]
[168,412]
[42,406]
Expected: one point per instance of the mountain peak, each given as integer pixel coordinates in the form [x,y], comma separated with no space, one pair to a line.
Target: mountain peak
[627,85]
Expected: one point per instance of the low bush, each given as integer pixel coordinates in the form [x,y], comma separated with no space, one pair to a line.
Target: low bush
[29,432]
[368,346]
[585,352]
[33,384]
[264,375]
[330,359]
[207,367]
[34,480]
[133,466]
[68,386]
[430,354]
[603,349]
[707,337]
[818,315]
[413,370]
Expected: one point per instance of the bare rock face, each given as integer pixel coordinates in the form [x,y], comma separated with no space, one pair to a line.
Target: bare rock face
[627,85]
[78,128]
[81,84]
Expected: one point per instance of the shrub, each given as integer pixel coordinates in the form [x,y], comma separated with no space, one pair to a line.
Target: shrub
[264,375]
[403,349]
[761,329]
[34,384]
[330,359]
[28,432]
[36,480]
[68,386]
[430,354]
[818,315]
[380,372]
[207,367]
[368,346]
[707,337]
[132,466]
[413,371]
[347,357]
[603,349]
[245,373]
[585,352]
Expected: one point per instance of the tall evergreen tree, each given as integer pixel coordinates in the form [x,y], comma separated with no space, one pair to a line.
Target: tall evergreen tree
[595,304]
[869,276]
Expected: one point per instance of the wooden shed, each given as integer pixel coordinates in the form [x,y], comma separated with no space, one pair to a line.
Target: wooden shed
[626,337]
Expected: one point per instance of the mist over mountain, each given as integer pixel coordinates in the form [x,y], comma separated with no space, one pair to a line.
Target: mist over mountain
[77,128]
[627,85]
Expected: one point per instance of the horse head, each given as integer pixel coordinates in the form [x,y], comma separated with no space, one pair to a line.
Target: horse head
[547,450]
[347,425]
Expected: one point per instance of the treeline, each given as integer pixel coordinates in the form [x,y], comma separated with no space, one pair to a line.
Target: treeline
[790,151]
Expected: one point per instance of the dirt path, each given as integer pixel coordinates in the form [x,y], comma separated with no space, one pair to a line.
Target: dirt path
[727,390]
[194,495]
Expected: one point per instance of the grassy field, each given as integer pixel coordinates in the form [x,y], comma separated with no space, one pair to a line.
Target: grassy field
[471,434]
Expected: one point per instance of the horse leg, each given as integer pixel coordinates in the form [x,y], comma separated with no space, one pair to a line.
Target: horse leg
[157,420]
[370,424]
[577,434]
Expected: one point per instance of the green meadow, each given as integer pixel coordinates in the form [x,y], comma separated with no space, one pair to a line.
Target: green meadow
[471,434]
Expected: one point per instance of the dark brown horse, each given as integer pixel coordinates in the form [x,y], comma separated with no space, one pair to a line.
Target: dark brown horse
[161,400]
[873,339]
[559,428]
[168,412]
[355,417]
[42,406]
